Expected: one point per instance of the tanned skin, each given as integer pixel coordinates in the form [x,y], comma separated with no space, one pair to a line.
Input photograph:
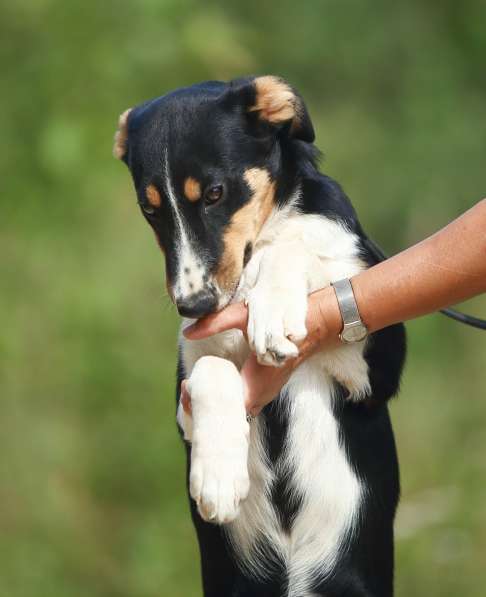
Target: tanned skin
[445,268]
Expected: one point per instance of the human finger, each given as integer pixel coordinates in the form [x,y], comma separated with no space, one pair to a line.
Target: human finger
[233,316]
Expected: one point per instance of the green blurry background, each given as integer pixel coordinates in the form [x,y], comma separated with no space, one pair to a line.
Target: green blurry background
[92,498]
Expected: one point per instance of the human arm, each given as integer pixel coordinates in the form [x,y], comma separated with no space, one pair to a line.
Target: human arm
[443,269]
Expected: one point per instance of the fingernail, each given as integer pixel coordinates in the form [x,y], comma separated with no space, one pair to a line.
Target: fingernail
[188,330]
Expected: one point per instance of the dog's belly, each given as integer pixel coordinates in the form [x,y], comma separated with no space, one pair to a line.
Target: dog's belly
[316,484]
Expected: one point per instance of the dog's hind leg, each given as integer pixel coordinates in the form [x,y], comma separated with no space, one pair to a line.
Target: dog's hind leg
[218,478]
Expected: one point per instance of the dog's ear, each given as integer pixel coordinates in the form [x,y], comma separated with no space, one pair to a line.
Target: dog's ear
[121,136]
[275,103]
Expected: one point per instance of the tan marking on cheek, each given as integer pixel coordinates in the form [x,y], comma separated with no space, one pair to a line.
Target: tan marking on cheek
[153,196]
[275,100]
[121,136]
[245,226]
[192,189]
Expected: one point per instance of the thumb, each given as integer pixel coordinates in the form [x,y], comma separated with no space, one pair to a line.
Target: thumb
[261,383]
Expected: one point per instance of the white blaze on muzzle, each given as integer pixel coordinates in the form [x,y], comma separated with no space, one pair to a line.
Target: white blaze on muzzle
[191,271]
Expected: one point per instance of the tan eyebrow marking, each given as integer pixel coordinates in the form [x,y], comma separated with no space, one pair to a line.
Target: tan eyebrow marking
[192,189]
[153,195]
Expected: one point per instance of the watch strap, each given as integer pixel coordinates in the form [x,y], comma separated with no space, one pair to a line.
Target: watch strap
[352,322]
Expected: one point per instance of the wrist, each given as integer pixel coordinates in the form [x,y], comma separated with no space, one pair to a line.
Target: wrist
[324,321]
[353,330]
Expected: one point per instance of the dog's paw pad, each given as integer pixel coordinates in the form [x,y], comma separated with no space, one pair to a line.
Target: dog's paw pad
[277,351]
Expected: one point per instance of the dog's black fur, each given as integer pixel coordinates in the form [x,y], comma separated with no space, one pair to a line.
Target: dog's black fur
[213,137]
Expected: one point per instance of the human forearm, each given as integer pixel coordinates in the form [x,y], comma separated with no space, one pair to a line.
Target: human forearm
[444,269]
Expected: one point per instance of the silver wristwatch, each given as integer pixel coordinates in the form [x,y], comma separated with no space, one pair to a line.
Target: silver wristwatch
[354,330]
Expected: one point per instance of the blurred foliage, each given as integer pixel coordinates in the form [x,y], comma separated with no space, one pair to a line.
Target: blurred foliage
[92,498]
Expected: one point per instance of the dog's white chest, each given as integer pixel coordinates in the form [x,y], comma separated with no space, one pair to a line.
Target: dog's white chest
[320,476]
[299,255]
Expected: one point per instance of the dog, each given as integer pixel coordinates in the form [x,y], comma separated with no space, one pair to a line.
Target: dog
[300,500]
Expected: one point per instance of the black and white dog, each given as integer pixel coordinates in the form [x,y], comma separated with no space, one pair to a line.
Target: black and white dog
[301,500]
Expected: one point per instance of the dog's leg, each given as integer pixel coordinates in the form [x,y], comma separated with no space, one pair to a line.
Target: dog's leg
[277,303]
[219,435]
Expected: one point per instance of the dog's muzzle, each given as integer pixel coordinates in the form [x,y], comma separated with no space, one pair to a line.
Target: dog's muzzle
[197,305]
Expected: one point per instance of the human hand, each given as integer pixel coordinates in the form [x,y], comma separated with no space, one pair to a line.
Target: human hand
[263,383]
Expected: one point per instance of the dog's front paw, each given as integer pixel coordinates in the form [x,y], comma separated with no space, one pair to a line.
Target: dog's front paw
[276,321]
[218,479]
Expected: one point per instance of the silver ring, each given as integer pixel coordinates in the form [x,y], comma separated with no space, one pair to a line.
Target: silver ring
[249,418]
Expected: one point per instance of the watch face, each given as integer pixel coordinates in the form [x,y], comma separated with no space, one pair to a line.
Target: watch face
[354,333]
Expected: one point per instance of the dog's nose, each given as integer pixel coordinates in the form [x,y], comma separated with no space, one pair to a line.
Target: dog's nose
[197,305]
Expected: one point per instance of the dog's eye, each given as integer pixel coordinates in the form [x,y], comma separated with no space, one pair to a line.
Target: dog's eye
[148,209]
[213,194]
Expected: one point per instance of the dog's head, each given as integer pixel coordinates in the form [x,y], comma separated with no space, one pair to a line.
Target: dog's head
[206,162]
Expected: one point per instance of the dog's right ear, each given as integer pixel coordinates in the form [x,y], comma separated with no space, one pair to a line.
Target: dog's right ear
[121,136]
